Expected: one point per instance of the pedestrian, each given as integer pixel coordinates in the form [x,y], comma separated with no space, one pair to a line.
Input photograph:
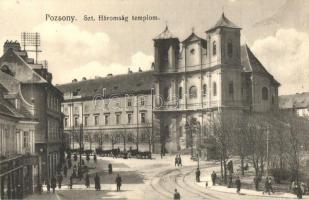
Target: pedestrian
[303,188]
[53,183]
[197,175]
[299,192]
[176,195]
[71,181]
[97,182]
[95,158]
[206,184]
[213,178]
[18,192]
[179,160]
[87,157]
[110,168]
[118,182]
[270,185]
[48,186]
[59,179]
[238,184]
[87,181]
[176,160]
[65,171]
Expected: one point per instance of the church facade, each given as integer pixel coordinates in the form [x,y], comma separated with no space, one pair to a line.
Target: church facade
[201,79]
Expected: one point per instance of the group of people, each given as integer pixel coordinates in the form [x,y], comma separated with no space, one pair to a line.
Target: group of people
[97,183]
[178,161]
[77,173]
[53,183]
[298,189]
[268,186]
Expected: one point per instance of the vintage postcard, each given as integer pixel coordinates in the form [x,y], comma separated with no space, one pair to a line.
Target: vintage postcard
[148,100]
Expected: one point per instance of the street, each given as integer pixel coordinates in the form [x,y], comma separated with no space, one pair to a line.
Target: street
[147,179]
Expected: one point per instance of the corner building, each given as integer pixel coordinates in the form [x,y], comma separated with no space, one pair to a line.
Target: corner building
[199,80]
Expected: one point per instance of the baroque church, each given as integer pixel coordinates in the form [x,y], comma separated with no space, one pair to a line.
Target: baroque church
[171,107]
[203,78]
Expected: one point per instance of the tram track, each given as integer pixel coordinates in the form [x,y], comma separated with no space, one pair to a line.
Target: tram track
[165,182]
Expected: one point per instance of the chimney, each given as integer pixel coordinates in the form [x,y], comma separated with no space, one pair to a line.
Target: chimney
[109,75]
[11,45]
[129,71]
[139,69]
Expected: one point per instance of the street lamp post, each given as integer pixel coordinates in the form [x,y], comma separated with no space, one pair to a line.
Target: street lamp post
[39,169]
[80,144]
[199,148]
[267,149]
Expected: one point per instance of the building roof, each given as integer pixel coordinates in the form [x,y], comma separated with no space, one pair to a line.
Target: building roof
[223,22]
[20,69]
[192,38]
[166,34]
[132,83]
[251,64]
[8,109]
[299,100]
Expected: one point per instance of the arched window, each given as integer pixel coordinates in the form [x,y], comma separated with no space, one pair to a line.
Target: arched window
[180,92]
[231,88]
[214,88]
[166,94]
[204,90]
[230,49]
[264,93]
[214,48]
[192,92]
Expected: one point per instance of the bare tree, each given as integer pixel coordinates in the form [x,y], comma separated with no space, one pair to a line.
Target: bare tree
[222,135]
[256,139]
[297,128]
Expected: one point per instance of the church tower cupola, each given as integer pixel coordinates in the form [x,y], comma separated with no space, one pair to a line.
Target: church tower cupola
[166,51]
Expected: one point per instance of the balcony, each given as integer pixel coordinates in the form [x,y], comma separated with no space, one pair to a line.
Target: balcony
[180,106]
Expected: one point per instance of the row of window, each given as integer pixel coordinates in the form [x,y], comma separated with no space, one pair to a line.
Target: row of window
[214,48]
[129,103]
[53,129]
[193,91]
[229,48]
[107,119]
[116,138]
[53,102]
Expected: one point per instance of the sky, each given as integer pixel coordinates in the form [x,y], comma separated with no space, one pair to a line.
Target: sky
[276,31]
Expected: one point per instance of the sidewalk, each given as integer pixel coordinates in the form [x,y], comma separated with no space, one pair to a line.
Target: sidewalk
[243,191]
